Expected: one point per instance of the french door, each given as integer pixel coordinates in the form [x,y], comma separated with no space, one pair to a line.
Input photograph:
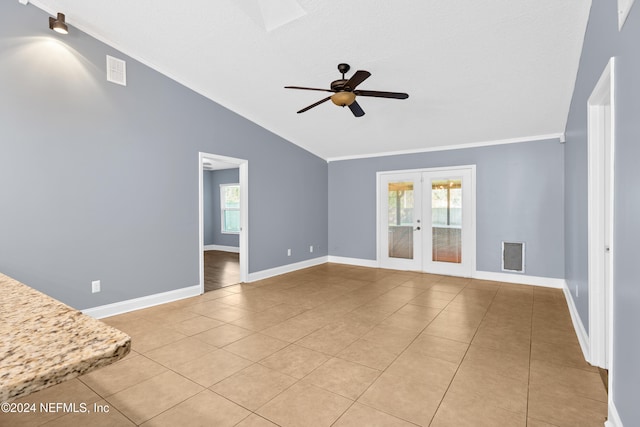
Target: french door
[427,220]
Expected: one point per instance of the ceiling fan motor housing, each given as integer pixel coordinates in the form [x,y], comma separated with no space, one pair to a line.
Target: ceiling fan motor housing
[338,85]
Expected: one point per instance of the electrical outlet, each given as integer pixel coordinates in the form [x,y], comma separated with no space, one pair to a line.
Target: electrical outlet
[288,252]
[311,248]
[95,286]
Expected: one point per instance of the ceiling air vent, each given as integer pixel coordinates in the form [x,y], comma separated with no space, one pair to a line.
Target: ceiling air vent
[116,71]
[513,256]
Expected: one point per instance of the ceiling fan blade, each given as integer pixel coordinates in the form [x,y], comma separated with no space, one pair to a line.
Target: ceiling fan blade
[309,88]
[356,109]
[356,79]
[378,94]
[314,105]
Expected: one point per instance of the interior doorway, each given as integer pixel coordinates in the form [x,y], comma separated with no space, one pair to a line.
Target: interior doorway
[601,132]
[426,220]
[226,263]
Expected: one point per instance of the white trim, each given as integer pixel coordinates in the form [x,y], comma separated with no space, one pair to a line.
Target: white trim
[243,166]
[600,299]
[581,332]
[613,420]
[288,268]
[267,126]
[560,136]
[371,263]
[222,248]
[142,302]
[25,2]
[521,279]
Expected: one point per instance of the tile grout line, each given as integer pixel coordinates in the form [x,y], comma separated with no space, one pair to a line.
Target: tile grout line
[329,358]
[408,345]
[378,323]
[526,420]
[465,354]
[538,303]
[396,358]
[299,380]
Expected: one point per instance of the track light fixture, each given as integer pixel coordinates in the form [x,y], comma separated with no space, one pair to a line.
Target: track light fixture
[58,25]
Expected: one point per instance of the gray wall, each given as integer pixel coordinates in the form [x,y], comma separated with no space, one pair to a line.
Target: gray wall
[81,197]
[519,198]
[602,41]
[212,220]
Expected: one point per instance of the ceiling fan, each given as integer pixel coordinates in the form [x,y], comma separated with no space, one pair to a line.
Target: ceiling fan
[345,92]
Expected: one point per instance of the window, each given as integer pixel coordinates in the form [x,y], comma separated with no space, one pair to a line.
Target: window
[230,208]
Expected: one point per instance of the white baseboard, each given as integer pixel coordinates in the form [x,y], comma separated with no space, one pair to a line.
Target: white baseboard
[581,332]
[522,279]
[222,248]
[265,274]
[354,261]
[613,420]
[142,302]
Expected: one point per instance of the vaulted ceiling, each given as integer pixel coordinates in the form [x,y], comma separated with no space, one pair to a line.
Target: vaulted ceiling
[475,71]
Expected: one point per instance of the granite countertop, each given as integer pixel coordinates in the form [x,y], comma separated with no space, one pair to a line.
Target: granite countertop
[45,342]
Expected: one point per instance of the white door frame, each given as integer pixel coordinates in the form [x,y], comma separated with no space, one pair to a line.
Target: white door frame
[243,165]
[380,249]
[600,110]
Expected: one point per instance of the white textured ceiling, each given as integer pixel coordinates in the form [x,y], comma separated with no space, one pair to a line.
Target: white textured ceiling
[475,71]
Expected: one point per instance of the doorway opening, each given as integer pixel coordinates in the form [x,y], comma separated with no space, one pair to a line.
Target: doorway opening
[601,132]
[426,220]
[223,221]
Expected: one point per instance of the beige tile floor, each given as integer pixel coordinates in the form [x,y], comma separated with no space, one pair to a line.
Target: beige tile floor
[338,345]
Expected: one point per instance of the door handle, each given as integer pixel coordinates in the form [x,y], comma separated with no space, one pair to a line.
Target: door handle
[416,229]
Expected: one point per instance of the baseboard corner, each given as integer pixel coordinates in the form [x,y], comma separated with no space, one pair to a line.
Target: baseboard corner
[521,279]
[581,332]
[613,420]
[359,262]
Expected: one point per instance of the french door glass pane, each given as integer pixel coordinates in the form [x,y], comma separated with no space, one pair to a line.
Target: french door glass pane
[446,220]
[401,206]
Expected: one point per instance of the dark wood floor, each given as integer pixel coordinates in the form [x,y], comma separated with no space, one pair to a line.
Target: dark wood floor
[220,269]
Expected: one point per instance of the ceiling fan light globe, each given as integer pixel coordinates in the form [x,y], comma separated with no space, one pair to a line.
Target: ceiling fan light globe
[343,99]
[60,28]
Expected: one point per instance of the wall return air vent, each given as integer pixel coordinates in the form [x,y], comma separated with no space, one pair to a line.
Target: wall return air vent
[513,256]
[116,71]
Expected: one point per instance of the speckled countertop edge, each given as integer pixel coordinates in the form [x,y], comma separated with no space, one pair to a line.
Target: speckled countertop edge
[45,342]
